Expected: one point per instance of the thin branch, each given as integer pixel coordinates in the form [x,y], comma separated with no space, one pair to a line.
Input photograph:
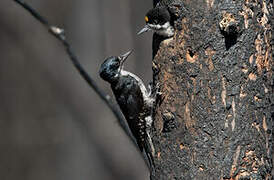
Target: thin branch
[60,35]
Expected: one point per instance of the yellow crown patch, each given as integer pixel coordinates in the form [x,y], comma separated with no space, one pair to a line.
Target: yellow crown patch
[146,19]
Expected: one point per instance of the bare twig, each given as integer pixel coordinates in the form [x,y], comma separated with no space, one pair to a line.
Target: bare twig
[60,35]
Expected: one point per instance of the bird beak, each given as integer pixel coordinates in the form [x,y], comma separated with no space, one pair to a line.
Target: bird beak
[124,57]
[145,29]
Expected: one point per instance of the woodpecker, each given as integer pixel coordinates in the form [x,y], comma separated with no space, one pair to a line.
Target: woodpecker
[135,101]
[159,20]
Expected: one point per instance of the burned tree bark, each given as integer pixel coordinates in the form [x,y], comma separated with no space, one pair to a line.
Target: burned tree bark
[214,119]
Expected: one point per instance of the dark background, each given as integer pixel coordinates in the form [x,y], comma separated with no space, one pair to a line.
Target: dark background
[52,125]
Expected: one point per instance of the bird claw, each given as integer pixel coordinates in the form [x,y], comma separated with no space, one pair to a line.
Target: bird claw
[157,90]
[154,92]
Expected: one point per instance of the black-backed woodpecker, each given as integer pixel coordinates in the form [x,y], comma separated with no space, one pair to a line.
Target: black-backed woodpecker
[159,20]
[135,101]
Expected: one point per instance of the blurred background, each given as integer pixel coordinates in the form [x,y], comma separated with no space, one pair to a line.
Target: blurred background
[52,125]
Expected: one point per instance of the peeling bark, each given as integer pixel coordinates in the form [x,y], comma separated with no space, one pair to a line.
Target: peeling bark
[214,119]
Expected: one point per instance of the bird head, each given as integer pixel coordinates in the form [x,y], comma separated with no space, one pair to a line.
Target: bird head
[110,69]
[158,19]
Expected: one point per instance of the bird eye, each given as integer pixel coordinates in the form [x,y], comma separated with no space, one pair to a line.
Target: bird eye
[146,19]
[116,64]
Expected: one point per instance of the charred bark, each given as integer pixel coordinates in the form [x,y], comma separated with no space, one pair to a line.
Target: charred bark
[214,119]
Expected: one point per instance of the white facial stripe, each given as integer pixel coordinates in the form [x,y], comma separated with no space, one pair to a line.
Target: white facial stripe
[158,26]
[164,30]
[154,27]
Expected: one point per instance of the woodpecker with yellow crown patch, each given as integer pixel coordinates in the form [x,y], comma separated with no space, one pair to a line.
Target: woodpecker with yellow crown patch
[159,20]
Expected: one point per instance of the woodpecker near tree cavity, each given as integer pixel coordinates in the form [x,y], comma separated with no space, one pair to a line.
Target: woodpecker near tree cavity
[159,20]
[135,101]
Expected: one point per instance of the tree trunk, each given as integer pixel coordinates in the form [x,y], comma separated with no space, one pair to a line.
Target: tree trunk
[214,119]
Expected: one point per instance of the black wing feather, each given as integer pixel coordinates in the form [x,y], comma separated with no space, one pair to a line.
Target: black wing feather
[130,99]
